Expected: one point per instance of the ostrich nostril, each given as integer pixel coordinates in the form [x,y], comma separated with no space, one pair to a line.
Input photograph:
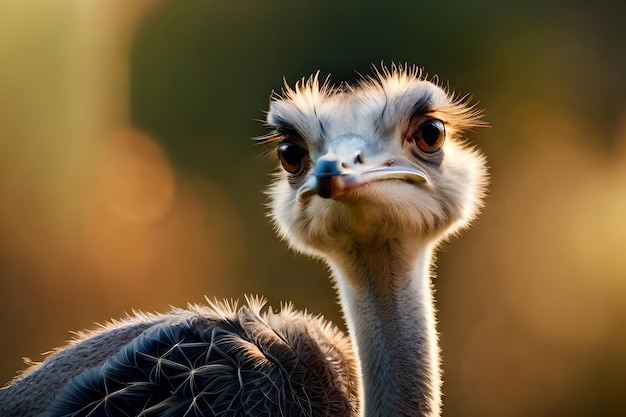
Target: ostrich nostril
[359,158]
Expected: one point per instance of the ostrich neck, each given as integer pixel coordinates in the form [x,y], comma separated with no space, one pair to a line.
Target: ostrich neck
[387,299]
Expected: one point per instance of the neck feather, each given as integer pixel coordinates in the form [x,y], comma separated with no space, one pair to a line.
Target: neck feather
[387,299]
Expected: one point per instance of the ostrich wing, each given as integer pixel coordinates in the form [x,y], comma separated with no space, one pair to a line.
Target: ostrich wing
[206,363]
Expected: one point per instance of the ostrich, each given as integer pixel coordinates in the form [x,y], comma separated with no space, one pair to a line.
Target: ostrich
[372,177]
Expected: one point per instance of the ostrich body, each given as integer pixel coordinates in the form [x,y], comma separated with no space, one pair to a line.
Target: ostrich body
[373,177]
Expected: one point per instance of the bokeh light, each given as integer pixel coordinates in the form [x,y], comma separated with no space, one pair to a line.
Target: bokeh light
[128,180]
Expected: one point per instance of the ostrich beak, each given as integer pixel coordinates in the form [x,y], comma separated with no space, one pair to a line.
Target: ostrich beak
[332,178]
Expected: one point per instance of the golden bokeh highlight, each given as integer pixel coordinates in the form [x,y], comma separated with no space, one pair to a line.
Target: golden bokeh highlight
[103,210]
[95,220]
[550,295]
[133,177]
[143,224]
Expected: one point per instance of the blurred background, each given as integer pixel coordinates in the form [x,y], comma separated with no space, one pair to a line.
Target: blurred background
[128,179]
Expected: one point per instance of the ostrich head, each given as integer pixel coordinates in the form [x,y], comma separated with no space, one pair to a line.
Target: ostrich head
[381,160]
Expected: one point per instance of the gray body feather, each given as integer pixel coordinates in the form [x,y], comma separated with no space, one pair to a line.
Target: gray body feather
[198,362]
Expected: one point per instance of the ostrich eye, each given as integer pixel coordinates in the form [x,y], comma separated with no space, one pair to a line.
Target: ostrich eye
[291,157]
[430,135]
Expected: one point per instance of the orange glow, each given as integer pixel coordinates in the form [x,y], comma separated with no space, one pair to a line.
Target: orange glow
[127,180]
